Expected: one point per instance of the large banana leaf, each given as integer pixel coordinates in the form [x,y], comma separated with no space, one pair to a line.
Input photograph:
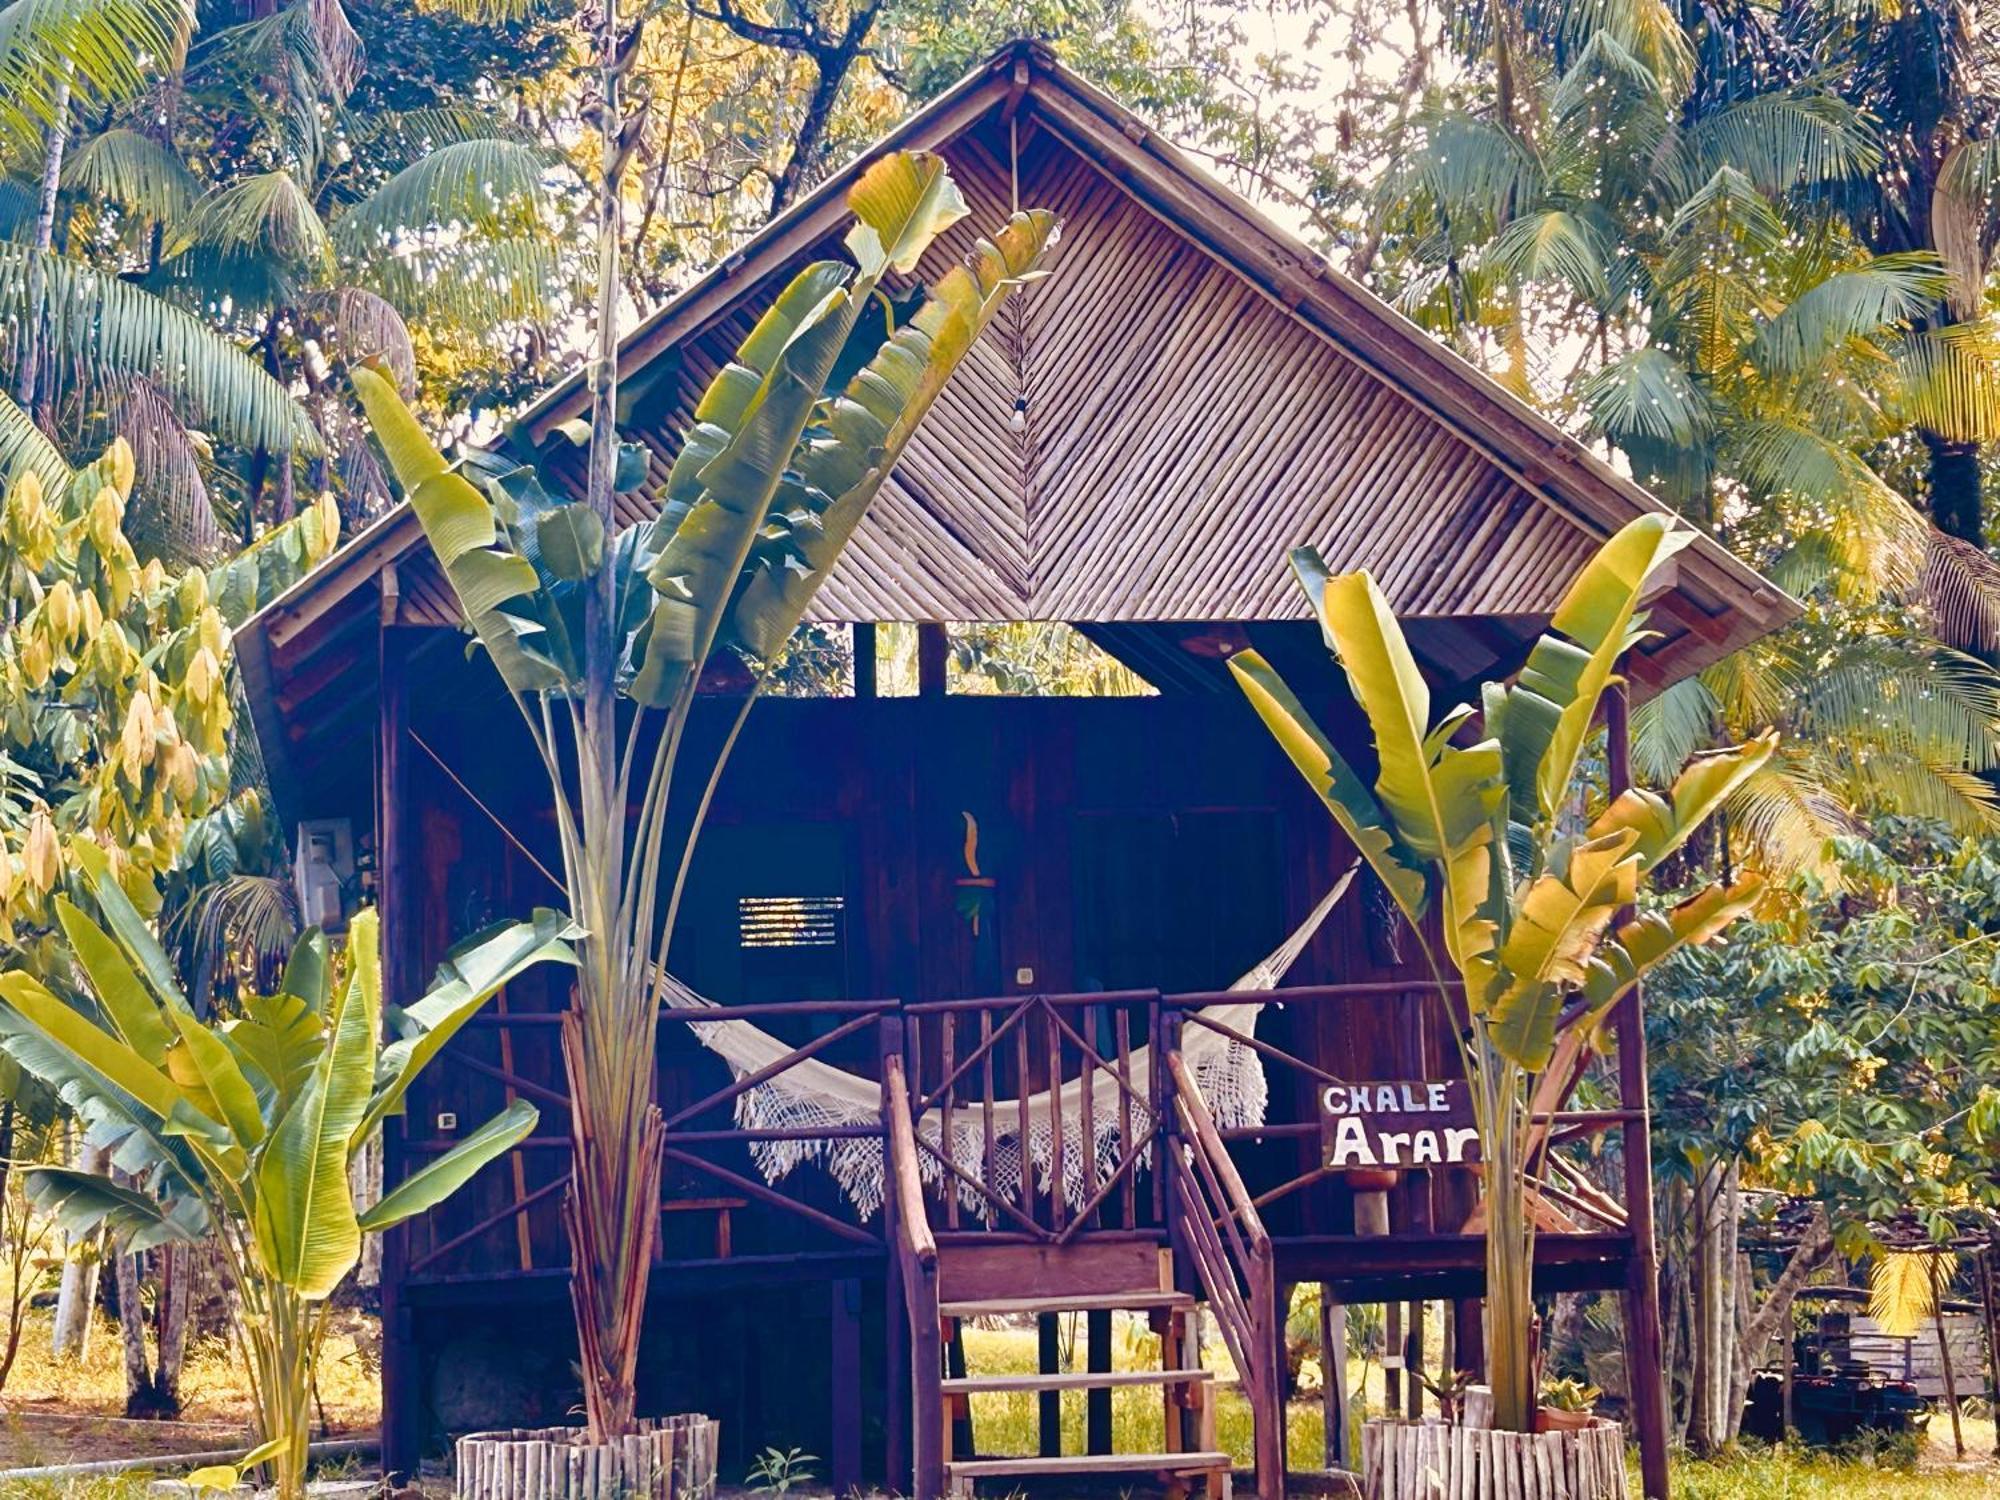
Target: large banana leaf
[1649,938]
[1549,708]
[872,422]
[470,976]
[1558,923]
[122,996]
[1663,824]
[436,1182]
[90,1046]
[746,437]
[1353,806]
[1447,803]
[460,524]
[82,1203]
[307,1230]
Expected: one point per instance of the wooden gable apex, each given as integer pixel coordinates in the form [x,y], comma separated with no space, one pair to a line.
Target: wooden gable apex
[1202,392]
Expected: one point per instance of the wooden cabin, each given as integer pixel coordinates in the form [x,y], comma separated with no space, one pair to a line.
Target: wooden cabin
[1198,393]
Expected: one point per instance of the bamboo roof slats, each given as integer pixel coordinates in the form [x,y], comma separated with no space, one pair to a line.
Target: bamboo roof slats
[1203,393]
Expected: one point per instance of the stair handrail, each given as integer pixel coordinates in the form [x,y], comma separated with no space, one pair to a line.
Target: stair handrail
[1231,1251]
[917,1259]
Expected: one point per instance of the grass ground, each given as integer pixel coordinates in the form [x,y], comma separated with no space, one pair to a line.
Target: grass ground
[50,1414]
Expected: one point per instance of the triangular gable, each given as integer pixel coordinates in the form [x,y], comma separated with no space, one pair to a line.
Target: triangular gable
[1203,392]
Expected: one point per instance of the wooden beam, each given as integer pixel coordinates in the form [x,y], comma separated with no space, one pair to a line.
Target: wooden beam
[1644,1343]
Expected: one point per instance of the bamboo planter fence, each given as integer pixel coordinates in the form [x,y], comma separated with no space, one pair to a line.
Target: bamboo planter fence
[670,1458]
[1431,1461]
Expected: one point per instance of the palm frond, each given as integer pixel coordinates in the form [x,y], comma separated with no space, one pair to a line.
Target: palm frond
[170,515]
[1468,169]
[1960,589]
[1780,141]
[1963,217]
[1648,395]
[140,175]
[26,449]
[491,185]
[1889,693]
[1863,302]
[1671,726]
[1902,1288]
[479,286]
[1947,381]
[98,51]
[1554,245]
[1876,536]
[266,215]
[1788,822]
[104,331]
[362,326]
[1648,31]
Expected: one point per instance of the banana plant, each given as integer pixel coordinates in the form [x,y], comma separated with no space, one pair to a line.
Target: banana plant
[1531,896]
[788,448]
[242,1129]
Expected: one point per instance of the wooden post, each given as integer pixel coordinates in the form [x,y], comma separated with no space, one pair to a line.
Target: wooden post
[933,651]
[1990,1310]
[1641,1296]
[1413,1361]
[1048,1338]
[896,1455]
[845,1460]
[1393,1355]
[1944,1358]
[1097,1401]
[1785,1411]
[865,674]
[402,1398]
[1333,1378]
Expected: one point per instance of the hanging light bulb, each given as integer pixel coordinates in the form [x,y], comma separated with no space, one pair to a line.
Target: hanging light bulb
[1017,420]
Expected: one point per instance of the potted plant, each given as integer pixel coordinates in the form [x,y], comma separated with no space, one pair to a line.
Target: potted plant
[1474,821]
[1568,1405]
[240,1128]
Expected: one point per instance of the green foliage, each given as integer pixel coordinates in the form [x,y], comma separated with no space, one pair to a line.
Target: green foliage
[242,1128]
[1485,833]
[1846,1047]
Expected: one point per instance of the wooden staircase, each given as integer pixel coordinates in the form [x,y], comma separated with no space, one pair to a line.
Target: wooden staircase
[1042,1270]
[1093,1277]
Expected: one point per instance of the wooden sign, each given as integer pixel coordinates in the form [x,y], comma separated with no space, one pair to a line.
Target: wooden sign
[1397,1124]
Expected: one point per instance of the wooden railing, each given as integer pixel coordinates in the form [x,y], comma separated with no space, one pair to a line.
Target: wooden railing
[981,1066]
[1217,1228]
[914,1252]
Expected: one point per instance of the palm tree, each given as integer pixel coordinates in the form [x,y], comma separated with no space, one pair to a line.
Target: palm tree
[196,311]
[1664,263]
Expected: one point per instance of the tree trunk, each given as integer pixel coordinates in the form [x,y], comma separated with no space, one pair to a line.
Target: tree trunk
[612,1211]
[1957,504]
[132,1328]
[54,139]
[1777,1311]
[831,65]
[1717,1210]
[177,1292]
[77,1295]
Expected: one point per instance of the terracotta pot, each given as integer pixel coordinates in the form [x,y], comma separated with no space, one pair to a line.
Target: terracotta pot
[1557,1419]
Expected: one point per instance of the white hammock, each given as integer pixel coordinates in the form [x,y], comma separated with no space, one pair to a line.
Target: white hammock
[814,1095]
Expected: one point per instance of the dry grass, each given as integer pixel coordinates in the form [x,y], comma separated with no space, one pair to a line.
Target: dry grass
[55,1411]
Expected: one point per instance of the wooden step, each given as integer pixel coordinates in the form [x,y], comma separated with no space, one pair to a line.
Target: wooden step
[1075,1380]
[1133,1301]
[1089,1463]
